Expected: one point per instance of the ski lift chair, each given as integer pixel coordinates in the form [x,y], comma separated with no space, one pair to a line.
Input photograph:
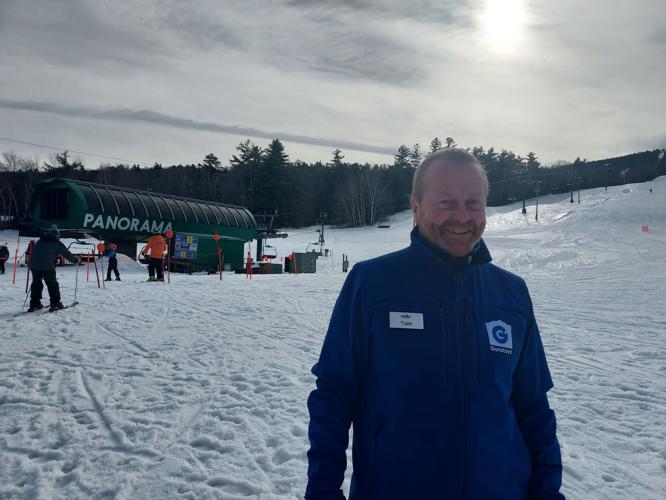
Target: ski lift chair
[270,251]
[314,247]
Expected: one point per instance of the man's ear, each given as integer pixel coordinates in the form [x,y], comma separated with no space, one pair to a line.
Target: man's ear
[414,205]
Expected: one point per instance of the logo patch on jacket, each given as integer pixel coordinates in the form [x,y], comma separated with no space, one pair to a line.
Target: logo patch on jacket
[499,336]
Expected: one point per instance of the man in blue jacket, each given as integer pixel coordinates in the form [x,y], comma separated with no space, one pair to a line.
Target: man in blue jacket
[434,355]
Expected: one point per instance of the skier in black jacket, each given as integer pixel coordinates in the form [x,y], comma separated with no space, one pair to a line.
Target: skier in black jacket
[42,265]
[4,255]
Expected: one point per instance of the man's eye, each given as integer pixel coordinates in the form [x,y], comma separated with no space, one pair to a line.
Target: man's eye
[474,204]
[444,203]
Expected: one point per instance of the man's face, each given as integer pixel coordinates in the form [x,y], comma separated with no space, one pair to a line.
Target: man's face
[452,210]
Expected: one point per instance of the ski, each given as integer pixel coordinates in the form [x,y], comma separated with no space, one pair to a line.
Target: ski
[66,307]
[39,311]
[44,310]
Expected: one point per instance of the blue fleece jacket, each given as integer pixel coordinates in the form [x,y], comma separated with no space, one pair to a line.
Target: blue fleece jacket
[438,364]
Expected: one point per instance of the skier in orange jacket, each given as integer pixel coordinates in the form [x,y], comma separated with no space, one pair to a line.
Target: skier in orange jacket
[154,250]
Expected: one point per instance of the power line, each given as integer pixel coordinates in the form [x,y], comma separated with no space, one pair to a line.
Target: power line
[54,148]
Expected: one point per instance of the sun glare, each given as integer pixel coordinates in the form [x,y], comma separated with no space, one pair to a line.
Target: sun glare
[503,22]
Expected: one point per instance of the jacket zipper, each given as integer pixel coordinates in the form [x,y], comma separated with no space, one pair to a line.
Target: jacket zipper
[461,373]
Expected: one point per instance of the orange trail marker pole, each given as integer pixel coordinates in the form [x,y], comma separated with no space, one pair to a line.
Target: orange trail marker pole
[216,237]
[100,251]
[169,235]
[15,264]
[219,260]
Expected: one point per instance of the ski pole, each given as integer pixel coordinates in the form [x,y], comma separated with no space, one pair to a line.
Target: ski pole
[27,278]
[27,292]
[25,300]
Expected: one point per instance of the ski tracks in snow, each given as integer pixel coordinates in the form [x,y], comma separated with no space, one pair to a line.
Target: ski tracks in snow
[184,395]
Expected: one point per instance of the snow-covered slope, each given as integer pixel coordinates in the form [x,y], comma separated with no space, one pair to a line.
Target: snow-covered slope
[197,389]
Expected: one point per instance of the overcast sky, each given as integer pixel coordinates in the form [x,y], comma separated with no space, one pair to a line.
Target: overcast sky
[169,81]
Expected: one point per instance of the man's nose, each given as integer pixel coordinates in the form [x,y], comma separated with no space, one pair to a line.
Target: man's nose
[461,213]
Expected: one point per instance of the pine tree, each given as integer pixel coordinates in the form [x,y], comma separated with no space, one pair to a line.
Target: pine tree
[402,157]
[272,177]
[336,161]
[416,156]
[246,170]
[211,161]
[435,145]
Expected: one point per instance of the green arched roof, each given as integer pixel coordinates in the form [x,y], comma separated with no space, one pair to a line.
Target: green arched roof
[103,199]
[90,207]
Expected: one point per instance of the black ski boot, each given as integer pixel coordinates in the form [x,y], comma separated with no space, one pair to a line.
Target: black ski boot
[35,307]
[57,306]
[118,279]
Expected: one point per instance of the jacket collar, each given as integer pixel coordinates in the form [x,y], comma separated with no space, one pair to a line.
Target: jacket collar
[479,254]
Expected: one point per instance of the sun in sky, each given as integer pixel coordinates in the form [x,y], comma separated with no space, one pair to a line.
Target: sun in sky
[503,23]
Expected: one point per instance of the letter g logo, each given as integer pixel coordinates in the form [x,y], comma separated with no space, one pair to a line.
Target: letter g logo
[499,334]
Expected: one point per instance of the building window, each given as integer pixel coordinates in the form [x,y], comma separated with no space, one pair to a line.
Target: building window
[54,204]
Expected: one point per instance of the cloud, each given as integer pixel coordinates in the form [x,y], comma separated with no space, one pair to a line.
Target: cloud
[202,29]
[582,78]
[156,118]
[645,143]
[439,12]
[360,43]
[77,34]
[658,36]
[352,40]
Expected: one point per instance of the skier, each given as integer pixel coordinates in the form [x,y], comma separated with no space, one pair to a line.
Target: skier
[4,255]
[113,262]
[42,265]
[155,247]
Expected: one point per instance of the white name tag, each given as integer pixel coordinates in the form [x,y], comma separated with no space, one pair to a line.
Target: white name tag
[411,321]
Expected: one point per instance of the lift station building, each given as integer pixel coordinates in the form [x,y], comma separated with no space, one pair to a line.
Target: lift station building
[128,217]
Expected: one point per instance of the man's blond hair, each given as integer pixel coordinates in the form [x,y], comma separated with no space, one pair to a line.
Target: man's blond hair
[457,156]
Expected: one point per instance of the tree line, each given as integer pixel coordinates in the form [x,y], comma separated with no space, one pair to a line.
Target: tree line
[299,194]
